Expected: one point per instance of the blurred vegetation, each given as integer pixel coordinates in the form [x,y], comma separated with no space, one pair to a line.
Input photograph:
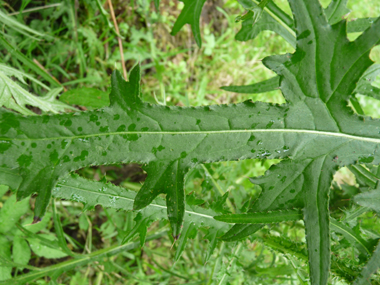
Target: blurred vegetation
[77,45]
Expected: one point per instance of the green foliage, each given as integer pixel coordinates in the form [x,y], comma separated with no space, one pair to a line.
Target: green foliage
[314,133]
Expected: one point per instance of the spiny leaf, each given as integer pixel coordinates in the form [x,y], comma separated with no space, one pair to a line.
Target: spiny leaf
[92,193]
[261,217]
[315,129]
[282,187]
[370,268]
[190,14]
[297,249]
[370,199]
[350,235]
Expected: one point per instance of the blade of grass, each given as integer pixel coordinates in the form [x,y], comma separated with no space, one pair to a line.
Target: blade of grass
[59,232]
[84,260]
[27,62]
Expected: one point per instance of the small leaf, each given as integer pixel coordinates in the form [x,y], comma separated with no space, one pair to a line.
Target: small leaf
[11,212]
[193,201]
[43,250]
[219,205]
[20,251]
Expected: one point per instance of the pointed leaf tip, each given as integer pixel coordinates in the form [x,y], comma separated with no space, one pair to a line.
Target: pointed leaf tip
[126,94]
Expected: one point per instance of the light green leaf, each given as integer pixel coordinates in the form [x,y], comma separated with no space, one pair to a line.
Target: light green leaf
[5,252]
[365,86]
[363,175]
[73,263]
[43,250]
[89,97]
[20,251]
[11,212]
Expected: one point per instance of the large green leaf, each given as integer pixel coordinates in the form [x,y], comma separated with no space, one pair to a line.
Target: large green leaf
[315,133]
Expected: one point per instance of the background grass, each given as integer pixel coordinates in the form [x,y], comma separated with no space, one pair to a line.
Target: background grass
[80,49]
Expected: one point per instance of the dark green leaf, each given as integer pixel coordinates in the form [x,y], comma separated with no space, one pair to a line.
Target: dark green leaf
[190,14]
[261,217]
[370,268]
[370,199]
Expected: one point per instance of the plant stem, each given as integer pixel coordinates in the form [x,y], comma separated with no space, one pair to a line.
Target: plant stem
[119,40]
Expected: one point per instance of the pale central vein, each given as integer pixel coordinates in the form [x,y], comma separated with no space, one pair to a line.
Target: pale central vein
[126,198]
[284,131]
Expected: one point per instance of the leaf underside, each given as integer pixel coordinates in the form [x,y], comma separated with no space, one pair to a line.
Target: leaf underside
[315,133]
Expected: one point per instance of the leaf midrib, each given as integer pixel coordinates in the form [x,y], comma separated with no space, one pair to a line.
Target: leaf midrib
[132,200]
[311,132]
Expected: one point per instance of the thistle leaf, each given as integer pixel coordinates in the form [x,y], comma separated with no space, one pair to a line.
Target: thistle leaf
[315,132]
[370,268]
